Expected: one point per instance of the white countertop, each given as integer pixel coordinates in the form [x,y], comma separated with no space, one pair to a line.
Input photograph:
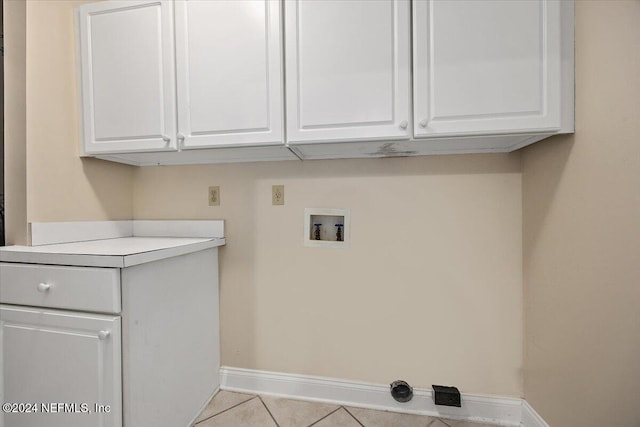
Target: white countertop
[118,252]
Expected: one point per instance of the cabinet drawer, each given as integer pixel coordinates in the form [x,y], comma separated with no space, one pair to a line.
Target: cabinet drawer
[77,288]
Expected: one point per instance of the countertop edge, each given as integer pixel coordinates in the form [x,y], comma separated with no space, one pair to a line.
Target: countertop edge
[105,261]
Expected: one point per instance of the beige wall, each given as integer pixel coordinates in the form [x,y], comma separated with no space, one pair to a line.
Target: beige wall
[15,132]
[443,244]
[434,268]
[434,238]
[582,236]
[2,115]
[46,179]
[60,185]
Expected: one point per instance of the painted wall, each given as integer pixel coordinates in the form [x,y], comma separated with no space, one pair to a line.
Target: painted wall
[45,178]
[429,291]
[15,177]
[434,239]
[60,185]
[434,269]
[582,236]
[1,134]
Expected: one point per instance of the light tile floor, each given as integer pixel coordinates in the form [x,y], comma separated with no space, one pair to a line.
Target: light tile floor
[247,410]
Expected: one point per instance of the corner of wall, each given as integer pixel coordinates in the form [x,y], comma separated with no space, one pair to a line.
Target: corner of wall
[60,185]
[15,131]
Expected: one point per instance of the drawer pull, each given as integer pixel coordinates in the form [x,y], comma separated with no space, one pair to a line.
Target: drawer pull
[103,335]
[43,287]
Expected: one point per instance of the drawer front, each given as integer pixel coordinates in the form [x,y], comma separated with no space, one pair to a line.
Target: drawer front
[76,288]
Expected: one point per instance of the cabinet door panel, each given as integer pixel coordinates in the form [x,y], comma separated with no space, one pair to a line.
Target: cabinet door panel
[51,356]
[347,70]
[128,87]
[229,72]
[486,66]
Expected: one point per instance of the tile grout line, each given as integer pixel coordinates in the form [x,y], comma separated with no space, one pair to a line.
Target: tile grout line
[267,408]
[353,416]
[330,413]
[228,409]
[445,423]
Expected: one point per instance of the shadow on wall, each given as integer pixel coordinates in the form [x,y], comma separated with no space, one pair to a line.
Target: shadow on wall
[434,165]
[556,152]
[109,193]
[396,166]
[1,216]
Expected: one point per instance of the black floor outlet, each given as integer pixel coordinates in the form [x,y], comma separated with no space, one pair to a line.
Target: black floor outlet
[447,396]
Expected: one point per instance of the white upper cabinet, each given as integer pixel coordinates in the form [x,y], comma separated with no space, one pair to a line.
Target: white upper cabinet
[347,70]
[486,67]
[128,83]
[229,73]
[214,81]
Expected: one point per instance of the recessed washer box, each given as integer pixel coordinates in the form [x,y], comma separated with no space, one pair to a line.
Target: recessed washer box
[321,227]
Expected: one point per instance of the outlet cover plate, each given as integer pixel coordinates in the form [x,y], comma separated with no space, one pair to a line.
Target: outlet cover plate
[214,196]
[277,194]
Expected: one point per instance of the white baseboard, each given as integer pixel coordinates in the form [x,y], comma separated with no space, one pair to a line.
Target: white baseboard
[530,418]
[504,411]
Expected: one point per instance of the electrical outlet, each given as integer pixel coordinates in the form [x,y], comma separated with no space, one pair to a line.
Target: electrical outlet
[277,195]
[214,196]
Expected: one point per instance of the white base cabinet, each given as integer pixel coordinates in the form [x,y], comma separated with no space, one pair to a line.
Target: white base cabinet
[52,358]
[151,362]
[171,339]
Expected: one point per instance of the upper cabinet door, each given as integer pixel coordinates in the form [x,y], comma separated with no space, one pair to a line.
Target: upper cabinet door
[128,80]
[229,70]
[486,67]
[347,70]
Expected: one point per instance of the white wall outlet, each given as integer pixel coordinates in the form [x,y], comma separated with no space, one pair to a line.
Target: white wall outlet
[277,195]
[214,196]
